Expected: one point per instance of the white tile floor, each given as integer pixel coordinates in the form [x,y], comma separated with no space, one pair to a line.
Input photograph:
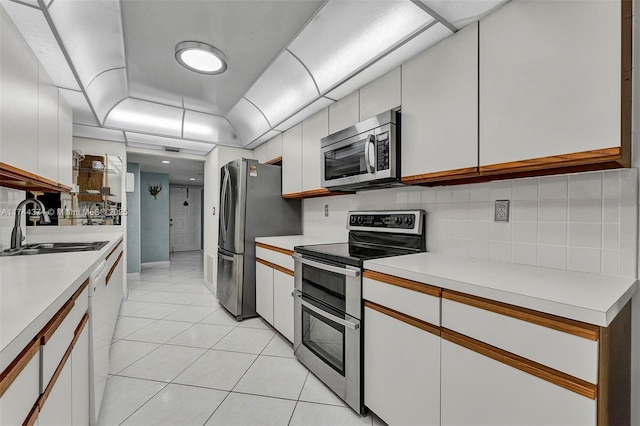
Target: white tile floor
[178,358]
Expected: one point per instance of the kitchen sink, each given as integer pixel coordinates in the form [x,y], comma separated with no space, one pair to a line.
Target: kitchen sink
[43,248]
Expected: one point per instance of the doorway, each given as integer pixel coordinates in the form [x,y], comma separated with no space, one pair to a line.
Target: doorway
[184,218]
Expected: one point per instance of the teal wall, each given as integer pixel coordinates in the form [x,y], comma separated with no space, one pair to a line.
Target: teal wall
[133,222]
[154,218]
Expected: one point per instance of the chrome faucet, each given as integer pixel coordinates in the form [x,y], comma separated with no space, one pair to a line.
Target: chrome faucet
[16,233]
[100,207]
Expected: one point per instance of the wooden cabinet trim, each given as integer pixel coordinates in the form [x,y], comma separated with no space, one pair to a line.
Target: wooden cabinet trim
[264,262]
[443,175]
[403,282]
[576,328]
[13,177]
[543,372]
[275,266]
[274,248]
[423,325]
[13,370]
[626,90]
[54,378]
[55,322]
[80,328]
[113,268]
[32,417]
[614,370]
[313,193]
[80,290]
[545,163]
[283,269]
[275,161]
[114,249]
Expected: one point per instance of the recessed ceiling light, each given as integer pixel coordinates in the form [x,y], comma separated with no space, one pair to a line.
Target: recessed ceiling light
[192,178]
[166,162]
[200,57]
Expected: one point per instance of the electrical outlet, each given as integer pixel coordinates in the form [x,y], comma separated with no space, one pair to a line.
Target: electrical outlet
[502,211]
[326,210]
[213,211]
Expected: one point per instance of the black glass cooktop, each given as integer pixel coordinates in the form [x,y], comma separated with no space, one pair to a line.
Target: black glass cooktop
[352,253]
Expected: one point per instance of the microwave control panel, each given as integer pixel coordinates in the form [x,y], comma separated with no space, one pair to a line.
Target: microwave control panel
[382,148]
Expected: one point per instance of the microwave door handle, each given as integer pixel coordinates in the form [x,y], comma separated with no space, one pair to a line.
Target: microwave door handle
[371,141]
[352,324]
[325,267]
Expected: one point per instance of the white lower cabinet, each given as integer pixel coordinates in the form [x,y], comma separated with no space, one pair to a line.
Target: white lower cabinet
[22,393]
[401,370]
[283,303]
[56,409]
[80,380]
[478,390]
[264,292]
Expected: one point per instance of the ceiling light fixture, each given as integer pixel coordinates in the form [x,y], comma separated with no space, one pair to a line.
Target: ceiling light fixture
[200,57]
[192,178]
[166,162]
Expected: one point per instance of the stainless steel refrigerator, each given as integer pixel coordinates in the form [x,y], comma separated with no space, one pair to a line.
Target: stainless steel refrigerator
[251,205]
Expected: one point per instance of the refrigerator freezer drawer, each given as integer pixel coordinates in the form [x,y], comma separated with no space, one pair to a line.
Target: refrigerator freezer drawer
[230,281]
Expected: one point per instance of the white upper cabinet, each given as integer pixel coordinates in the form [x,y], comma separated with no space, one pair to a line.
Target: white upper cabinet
[274,148]
[65,142]
[18,99]
[550,81]
[344,113]
[292,160]
[313,130]
[440,109]
[260,153]
[381,95]
[47,127]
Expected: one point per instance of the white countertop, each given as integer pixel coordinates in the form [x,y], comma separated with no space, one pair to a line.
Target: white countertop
[590,298]
[34,287]
[288,242]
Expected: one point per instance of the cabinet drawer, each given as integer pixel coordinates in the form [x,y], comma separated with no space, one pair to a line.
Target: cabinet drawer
[284,259]
[479,390]
[58,334]
[19,386]
[408,297]
[561,344]
[264,254]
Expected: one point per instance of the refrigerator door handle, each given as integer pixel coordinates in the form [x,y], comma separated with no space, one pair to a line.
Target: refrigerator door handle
[223,207]
[225,257]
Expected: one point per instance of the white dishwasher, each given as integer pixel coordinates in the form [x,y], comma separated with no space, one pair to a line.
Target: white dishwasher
[100,338]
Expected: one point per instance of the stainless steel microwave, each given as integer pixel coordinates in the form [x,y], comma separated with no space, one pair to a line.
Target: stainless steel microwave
[363,156]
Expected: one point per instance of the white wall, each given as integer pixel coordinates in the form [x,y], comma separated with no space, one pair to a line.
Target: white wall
[580,222]
[217,158]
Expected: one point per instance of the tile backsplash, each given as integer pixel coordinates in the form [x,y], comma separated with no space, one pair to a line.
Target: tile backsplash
[580,222]
[9,200]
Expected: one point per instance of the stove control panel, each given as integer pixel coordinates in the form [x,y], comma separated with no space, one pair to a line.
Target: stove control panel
[406,221]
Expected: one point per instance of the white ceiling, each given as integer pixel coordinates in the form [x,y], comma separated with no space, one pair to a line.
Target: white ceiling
[250,33]
[287,59]
[179,170]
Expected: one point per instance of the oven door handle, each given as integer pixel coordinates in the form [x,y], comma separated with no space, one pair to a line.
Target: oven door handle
[352,324]
[326,267]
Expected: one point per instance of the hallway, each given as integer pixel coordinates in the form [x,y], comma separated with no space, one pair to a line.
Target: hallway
[178,358]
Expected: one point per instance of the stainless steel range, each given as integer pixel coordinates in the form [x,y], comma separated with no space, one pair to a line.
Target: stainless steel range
[328,295]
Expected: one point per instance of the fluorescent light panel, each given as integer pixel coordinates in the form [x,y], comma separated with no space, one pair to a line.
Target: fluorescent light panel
[284,87]
[353,34]
[160,141]
[248,121]
[207,127]
[147,117]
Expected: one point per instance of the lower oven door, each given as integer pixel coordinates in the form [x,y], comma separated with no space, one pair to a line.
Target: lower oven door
[327,341]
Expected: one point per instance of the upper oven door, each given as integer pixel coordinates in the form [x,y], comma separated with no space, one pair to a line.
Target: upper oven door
[349,161]
[338,286]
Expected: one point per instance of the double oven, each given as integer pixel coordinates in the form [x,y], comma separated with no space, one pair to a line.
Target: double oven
[328,308]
